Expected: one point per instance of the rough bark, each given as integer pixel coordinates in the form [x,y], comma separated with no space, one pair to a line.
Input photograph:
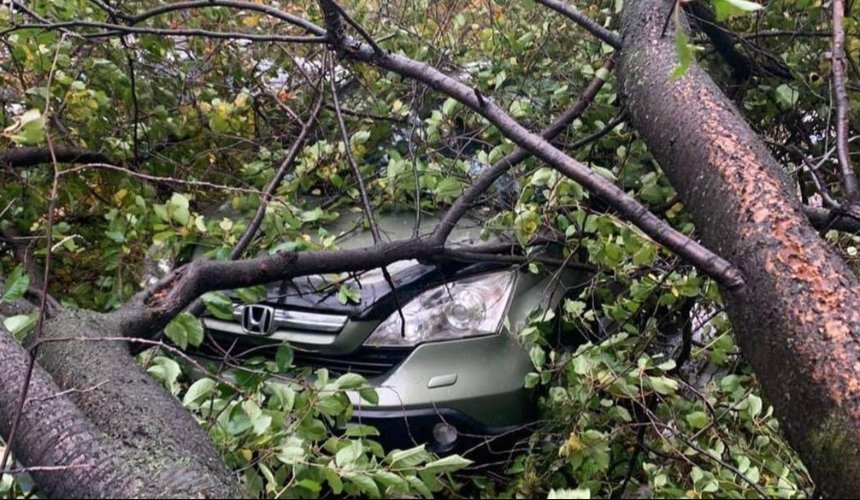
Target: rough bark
[132,408]
[130,457]
[30,156]
[797,319]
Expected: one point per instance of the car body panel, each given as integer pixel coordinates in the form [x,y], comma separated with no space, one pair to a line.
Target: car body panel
[477,381]
[488,375]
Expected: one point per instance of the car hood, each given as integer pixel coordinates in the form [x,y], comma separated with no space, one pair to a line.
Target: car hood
[375,300]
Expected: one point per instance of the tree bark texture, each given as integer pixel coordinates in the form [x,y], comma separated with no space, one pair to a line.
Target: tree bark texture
[118,434]
[30,156]
[797,319]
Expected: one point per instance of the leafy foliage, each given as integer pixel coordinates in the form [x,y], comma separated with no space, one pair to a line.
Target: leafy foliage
[292,438]
[625,410]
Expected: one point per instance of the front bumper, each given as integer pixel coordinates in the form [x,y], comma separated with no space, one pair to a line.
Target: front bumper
[475,385]
[480,378]
[442,430]
[461,396]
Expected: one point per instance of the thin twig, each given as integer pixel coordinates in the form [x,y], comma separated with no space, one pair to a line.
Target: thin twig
[361,31]
[49,233]
[843,106]
[117,30]
[586,22]
[365,202]
[250,232]
[490,175]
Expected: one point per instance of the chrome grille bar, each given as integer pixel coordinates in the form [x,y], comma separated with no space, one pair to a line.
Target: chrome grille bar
[301,320]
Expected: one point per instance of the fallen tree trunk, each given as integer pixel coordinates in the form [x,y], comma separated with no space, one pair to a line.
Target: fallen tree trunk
[130,456]
[96,425]
[797,319]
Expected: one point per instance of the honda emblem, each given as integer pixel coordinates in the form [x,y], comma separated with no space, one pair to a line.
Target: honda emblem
[258,320]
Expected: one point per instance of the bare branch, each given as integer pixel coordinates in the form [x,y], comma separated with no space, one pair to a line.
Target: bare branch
[196,4]
[843,106]
[461,205]
[30,156]
[586,22]
[251,231]
[365,202]
[118,30]
[710,263]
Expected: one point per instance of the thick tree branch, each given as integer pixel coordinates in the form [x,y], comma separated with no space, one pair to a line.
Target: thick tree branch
[843,106]
[109,30]
[74,458]
[586,22]
[152,309]
[462,204]
[798,318]
[628,207]
[30,156]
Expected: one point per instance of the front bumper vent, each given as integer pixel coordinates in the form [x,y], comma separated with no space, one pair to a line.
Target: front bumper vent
[366,361]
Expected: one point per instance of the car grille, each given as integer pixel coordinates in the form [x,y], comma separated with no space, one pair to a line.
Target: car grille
[287,324]
[297,320]
[365,361]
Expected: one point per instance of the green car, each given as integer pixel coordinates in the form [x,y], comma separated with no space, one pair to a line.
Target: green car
[451,376]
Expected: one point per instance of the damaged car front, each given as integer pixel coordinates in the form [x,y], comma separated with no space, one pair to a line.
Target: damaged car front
[436,340]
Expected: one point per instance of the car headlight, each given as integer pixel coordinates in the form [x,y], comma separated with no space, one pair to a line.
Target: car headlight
[465,308]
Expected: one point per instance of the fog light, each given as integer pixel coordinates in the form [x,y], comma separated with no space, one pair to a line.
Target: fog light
[444,437]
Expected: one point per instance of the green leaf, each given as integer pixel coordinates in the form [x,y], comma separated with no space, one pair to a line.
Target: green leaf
[448,464]
[16,285]
[331,405]
[350,381]
[419,486]
[538,356]
[284,357]
[663,385]
[185,329]
[347,456]
[697,419]
[292,452]
[312,429]
[370,395]
[520,108]
[198,392]
[448,188]
[404,459]
[359,137]
[29,128]
[166,371]
[526,225]
[283,396]
[391,483]
[531,380]
[449,106]
[730,8]
[578,493]
[787,96]
[346,295]
[685,53]
[360,430]
[754,405]
[365,483]
[20,324]
[252,294]
[333,480]
[219,304]
[177,207]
